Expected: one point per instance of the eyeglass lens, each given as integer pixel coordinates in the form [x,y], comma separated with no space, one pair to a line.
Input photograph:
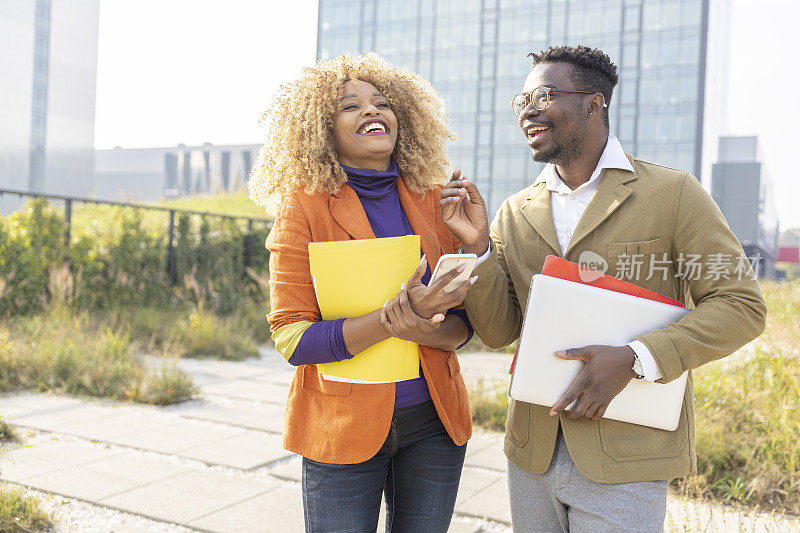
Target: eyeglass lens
[539,97]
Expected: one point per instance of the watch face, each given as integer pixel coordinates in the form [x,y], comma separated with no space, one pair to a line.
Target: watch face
[637,367]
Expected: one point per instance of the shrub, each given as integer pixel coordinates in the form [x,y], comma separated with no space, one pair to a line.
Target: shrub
[118,256]
[19,512]
[165,386]
[8,433]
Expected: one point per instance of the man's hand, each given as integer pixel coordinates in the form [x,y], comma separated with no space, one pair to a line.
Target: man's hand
[464,211]
[608,369]
[428,301]
[400,320]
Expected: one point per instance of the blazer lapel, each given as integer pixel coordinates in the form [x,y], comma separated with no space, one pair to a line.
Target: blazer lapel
[422,217]
[611,193]
[348,212]
[539,212]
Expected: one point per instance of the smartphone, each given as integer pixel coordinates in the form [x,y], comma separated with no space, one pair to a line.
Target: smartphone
[447,263]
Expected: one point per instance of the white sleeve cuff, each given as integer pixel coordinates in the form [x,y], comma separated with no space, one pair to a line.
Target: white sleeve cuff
[482,258]
[649,365]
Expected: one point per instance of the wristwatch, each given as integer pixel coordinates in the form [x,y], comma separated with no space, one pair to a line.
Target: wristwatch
[637,366]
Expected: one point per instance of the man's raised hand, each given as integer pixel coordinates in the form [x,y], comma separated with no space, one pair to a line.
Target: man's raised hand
[464,211]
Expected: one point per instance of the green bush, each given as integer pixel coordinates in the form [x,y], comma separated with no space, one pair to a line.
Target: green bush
[32,241]
[117,257]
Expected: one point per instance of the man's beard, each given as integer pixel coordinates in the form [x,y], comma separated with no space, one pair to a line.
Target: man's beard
[561,153]
[564,153]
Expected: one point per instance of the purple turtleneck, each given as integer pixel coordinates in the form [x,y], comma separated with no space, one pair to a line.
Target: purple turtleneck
[323,342]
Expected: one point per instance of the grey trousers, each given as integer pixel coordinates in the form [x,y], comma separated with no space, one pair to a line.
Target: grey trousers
[562,500]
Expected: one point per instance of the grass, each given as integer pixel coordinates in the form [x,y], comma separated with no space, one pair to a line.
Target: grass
[748,432]
[782,335]
[80,354]
[8,433]
[205,335]
[93,218]
[237,204]
[196,331]
[19,512]
[489,404]
[747,415]
[98,353]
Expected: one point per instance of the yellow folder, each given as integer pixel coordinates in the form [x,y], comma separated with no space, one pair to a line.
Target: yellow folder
[353,278]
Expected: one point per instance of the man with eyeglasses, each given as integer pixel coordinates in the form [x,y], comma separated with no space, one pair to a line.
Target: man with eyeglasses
[572,470]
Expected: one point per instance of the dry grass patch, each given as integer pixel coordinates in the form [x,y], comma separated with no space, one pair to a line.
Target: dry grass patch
[80,354]
[196,331]
[489,404]
[748,415]
[22,513]
[8,433]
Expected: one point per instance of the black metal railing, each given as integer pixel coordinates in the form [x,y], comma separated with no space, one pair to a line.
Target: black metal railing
[171,256]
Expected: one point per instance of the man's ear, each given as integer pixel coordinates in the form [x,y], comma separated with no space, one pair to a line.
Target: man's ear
[596,103]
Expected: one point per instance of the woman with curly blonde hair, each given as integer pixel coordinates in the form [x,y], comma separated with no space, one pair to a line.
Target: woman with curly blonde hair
[355,150]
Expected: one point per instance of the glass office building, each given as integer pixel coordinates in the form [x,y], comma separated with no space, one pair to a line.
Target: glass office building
[671,55]
[744,192]
[48,73]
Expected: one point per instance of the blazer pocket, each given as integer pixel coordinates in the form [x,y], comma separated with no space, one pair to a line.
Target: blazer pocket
[630,442]
[653,246]
[518,422]
[314,381]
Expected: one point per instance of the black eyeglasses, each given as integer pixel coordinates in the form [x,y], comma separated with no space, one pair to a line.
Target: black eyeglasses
[540,97]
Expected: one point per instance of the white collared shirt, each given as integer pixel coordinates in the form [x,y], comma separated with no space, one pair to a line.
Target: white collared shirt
[568,208]
[569,205]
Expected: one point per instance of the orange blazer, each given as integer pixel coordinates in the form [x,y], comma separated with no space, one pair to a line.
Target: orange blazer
[332,421]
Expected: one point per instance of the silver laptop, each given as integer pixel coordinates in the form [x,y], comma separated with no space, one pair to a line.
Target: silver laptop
[564,314]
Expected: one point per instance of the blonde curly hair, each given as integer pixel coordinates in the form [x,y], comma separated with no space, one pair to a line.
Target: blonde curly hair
[299,151]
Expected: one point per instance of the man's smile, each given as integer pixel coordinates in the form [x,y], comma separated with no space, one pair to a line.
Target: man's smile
[535,133]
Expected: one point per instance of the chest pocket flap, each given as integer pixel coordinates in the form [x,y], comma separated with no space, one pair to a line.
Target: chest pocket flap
[653,246]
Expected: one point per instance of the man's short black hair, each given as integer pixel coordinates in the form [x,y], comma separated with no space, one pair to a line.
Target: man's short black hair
[592,69]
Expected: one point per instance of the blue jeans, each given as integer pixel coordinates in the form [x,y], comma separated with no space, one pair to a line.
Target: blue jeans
[418,469]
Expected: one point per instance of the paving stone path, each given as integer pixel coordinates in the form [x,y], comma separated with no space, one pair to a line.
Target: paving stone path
[211,464]
[216,463]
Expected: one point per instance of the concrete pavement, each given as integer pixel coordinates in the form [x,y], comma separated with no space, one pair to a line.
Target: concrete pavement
[216,463]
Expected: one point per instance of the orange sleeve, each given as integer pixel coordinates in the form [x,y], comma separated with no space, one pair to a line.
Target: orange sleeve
[292,295]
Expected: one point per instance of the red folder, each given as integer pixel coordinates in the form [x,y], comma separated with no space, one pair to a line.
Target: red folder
[558,267]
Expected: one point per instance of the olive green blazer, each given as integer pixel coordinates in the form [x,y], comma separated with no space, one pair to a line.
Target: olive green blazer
[653,211]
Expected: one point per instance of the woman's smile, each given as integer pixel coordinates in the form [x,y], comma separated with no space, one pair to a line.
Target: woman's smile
[373,126]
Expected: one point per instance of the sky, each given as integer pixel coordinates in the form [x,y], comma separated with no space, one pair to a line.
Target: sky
[195,71]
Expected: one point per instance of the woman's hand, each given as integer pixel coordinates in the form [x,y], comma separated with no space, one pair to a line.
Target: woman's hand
[427,302]
[400,320]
